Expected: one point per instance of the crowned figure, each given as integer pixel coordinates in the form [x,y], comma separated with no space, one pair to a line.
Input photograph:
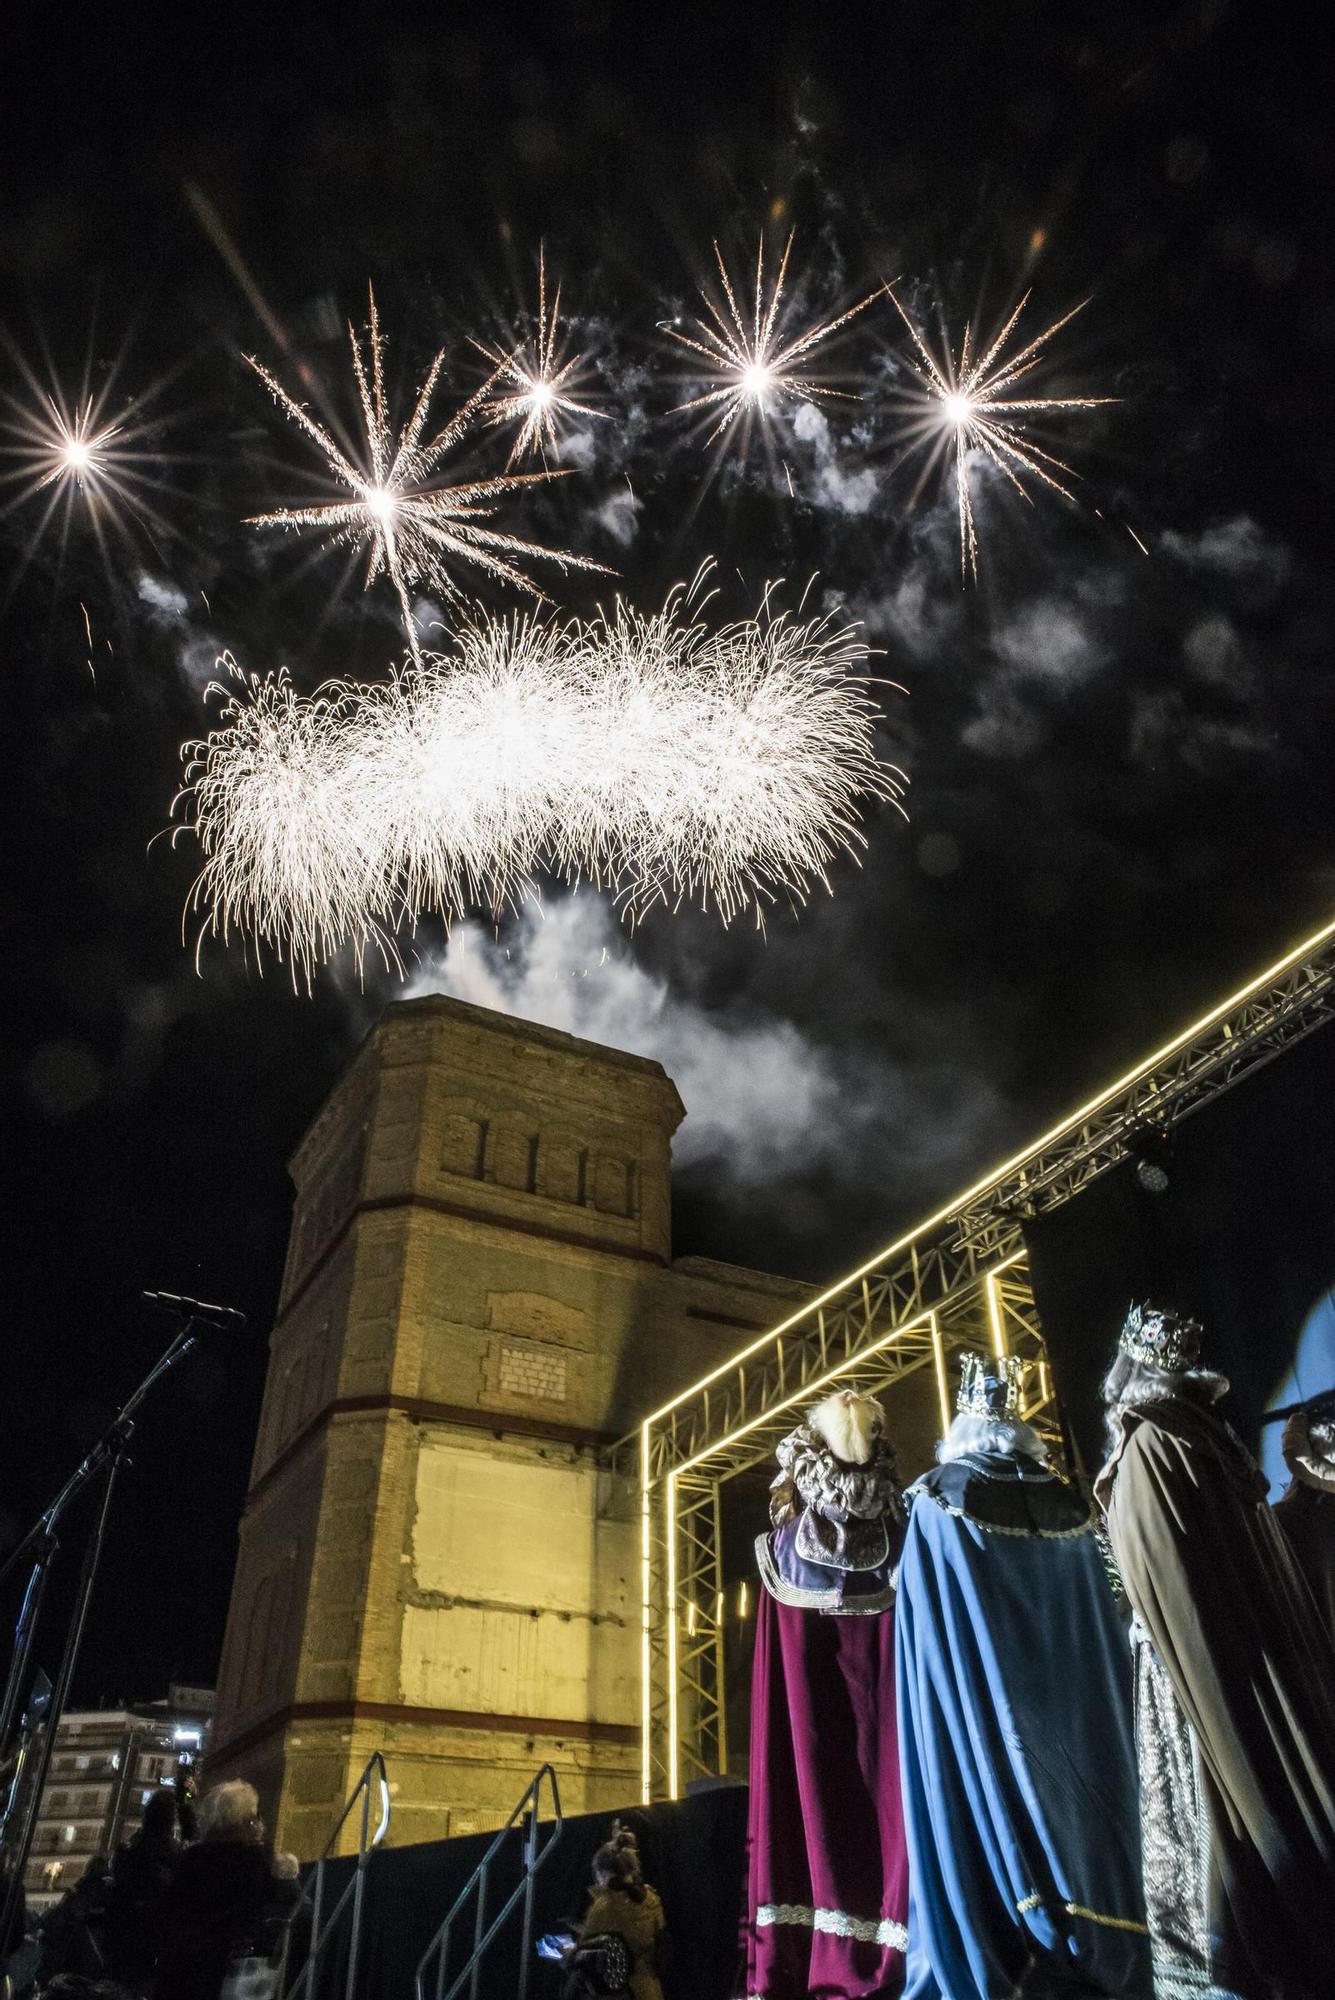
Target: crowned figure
[1016,1746]
[1235,1683]
[826,1872]
[1307,1511]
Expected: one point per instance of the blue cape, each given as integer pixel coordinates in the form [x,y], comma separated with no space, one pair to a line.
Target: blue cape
[1016,1751]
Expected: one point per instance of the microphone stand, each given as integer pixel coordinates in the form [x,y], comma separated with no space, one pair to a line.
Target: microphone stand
[107,1457]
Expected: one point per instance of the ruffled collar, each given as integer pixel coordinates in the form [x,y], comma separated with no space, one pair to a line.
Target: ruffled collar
[1304,1457]
[810,1474]
[1309,1470]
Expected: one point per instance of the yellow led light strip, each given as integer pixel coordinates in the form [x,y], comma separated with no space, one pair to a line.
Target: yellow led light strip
[1225,1007]
[993,1292]
[807,1389]
[670,1611]
[942,1381]
[646,1622]
[1305,949]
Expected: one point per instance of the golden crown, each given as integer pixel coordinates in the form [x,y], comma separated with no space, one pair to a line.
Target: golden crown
[1162,1339]
[990,1387]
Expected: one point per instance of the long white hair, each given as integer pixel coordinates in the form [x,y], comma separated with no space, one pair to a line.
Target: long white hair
[231,1812]
[1011,1436]
[850,1425]
[1130,1384]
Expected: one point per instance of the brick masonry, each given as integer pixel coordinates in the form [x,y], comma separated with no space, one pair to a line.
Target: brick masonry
[481,1227]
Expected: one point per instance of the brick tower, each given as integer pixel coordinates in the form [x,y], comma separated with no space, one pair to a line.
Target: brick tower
[479,1294]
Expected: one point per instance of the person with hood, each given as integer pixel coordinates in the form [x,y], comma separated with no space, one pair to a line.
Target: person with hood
[1307,1511]
[827,1887]
[1238,1724]
[1016,1747]
[141,1875]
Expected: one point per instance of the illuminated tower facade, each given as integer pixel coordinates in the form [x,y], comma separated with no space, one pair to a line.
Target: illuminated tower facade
[479,1295]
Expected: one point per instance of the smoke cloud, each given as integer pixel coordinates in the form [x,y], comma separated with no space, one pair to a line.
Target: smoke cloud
[196,647]
[618,515]
[1237,550]
[765,1102]
[846,492]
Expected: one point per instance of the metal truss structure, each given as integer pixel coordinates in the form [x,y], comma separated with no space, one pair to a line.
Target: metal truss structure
[960,1279]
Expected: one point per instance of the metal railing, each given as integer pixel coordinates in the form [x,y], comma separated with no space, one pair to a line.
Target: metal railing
[484,1933]
[323,1928]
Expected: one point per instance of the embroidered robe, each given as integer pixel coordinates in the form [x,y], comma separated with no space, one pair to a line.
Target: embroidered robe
[827,1887]
[1016,1754]
[1212,1580]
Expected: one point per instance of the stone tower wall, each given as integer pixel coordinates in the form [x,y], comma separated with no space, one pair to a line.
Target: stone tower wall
[479,1295]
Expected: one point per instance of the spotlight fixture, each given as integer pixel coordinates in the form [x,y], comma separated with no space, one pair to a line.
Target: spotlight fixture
[1152,1151]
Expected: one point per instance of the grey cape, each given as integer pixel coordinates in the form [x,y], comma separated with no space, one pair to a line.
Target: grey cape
[1210,1575]
[1307,1516]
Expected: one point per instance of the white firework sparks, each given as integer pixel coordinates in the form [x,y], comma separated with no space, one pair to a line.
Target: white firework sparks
[752,366]
[732,759]
[648,754]
[76,448]
[968,403]
[537,382]
[80,455]
[416,529]
[291,853]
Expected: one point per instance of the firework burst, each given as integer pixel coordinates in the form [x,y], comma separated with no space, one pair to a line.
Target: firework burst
[76,448]
[649,754]
[415,528]
[750,363]
[81,455]
[535,383]
[968,403]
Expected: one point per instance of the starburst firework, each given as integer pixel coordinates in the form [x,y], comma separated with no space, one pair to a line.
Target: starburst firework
[80,454]
[415,528]
[76,448]
[537,382]
[968,402]
[648,754]
[750,363]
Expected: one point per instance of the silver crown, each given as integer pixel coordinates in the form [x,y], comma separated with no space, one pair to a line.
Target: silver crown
[1161,1338]
[990,1388]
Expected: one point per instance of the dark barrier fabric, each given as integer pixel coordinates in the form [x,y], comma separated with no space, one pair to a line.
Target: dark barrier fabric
[1244,1238]
[693,1853]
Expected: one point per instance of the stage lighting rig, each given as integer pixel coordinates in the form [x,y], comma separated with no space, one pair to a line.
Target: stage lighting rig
[1152,1151]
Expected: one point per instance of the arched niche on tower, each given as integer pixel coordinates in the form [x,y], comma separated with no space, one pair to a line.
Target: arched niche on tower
[464,1133]
[563,1166]
[614,1185]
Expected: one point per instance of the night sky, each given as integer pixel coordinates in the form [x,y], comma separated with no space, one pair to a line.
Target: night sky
[1120,803]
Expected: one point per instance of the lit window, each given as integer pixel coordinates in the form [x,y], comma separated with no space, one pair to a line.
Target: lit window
[81,1763]
[69,1833]
[115,1760]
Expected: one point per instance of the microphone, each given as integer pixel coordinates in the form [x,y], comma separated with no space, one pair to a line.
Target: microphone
[223,1319]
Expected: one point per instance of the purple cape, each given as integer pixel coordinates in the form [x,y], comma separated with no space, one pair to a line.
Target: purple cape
[827,1887]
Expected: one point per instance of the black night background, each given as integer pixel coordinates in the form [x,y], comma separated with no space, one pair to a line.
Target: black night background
[1120,803]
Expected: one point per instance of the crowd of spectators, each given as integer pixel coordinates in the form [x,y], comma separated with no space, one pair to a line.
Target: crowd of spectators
[182,1911]
[206,1910]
